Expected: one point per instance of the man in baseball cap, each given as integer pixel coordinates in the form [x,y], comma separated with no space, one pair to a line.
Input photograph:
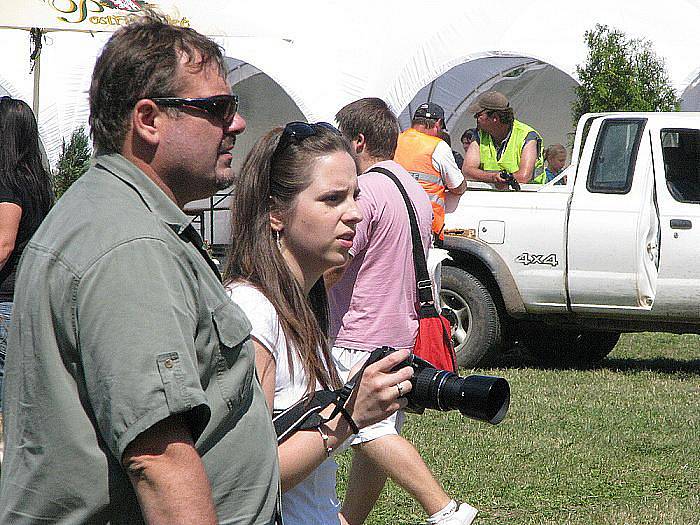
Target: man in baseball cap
[504,147]
[430,110]
[491,100]
[429,159]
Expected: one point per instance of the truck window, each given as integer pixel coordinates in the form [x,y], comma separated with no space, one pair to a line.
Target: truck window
[681,151]
[614,156]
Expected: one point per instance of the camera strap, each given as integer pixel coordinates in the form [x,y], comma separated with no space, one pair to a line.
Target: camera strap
[306,413]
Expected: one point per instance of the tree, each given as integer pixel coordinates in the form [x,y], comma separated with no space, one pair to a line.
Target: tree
[73,161]
[621,75]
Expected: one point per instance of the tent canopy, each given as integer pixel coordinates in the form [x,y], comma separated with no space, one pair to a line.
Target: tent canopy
[108,15]
[324,54]
[540,93]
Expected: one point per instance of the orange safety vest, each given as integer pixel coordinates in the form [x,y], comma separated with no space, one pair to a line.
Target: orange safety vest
[414,152]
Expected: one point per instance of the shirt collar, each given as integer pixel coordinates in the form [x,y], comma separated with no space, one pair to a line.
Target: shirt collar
[387,163]
[152,196]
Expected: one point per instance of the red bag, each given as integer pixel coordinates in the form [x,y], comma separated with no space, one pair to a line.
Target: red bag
[434,343]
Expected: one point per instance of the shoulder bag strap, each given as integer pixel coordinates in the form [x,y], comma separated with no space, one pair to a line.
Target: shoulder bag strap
[423,282]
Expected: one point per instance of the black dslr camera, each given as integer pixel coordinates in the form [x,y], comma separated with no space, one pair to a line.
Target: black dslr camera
[485,398]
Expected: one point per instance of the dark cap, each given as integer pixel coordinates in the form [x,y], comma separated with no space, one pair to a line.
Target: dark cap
[430,110]
[491,100]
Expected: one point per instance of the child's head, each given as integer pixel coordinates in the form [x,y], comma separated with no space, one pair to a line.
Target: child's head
[555,156]
[468,137]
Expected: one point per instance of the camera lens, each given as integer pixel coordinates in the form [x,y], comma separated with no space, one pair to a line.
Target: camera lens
[485,398]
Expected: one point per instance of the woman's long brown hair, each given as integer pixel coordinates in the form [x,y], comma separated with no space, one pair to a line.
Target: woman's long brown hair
[264,187]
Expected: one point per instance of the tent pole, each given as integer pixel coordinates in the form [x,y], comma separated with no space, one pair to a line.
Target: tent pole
[37,76]
[35,57]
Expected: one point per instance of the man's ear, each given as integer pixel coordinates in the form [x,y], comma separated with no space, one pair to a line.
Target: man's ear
[360,143]
[145,120]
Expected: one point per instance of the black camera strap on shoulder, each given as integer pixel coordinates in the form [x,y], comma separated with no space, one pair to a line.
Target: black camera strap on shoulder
[423,282]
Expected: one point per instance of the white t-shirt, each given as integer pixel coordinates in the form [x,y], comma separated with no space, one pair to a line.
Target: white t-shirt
[313,501]
[444,162]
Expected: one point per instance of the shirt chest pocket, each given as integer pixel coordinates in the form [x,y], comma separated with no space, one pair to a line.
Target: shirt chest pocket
[235,356]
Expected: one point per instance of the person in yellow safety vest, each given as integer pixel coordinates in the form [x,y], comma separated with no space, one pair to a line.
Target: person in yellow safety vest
[429,159]
[504,146]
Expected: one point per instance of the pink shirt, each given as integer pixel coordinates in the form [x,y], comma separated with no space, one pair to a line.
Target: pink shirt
[375,302]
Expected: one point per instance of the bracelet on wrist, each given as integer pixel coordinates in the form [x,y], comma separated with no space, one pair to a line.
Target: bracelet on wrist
[324,437]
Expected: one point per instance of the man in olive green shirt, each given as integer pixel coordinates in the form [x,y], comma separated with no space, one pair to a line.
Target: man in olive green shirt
[130,387]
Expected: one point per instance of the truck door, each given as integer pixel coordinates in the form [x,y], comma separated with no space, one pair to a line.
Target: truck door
[613,226]
[677,157]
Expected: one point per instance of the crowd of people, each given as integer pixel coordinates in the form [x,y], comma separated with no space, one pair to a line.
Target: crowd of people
[139,383]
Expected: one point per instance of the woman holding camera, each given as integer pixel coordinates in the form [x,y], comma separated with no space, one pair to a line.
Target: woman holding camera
[293,218]
[25,199]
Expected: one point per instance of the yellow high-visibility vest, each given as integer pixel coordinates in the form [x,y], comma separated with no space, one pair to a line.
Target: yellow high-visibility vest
[510,159]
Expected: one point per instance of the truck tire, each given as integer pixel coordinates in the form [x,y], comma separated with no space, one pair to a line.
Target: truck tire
[477,331]
[562,347]
[592,346]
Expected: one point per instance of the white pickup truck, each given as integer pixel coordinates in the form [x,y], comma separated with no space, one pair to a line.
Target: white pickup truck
[567,268]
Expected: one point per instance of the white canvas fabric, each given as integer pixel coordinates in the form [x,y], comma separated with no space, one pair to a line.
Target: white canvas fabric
[320,57]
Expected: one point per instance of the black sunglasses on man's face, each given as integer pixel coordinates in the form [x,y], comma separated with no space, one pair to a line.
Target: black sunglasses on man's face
[221,107]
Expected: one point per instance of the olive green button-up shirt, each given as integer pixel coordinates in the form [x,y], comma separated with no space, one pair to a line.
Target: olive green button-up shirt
[119,322]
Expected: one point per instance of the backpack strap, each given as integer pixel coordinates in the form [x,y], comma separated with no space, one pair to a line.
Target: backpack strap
[423,282]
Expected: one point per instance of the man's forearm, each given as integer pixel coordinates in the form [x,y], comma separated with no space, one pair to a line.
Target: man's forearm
[522,177]
[168,476]
[481,175]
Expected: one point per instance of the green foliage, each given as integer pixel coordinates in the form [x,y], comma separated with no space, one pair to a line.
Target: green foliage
[621,75]
[73,161]
[612,445]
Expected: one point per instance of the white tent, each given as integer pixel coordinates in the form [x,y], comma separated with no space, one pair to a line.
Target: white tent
[541,93]
[305,61]
[324,54]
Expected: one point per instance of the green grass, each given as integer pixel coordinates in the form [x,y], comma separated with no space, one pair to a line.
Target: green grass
[618,444]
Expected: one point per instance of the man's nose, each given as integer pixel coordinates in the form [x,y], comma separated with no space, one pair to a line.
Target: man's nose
[237,125]
[353,215]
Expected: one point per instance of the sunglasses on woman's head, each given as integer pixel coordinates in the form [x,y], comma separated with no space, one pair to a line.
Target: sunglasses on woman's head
[295,132]
[221,107]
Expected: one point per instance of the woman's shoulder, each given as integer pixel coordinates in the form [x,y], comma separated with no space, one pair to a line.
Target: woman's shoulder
[260,311]
[7,194]
[248,297]
[246,290]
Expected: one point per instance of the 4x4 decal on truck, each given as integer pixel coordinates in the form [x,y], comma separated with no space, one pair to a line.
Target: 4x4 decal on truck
[532,258]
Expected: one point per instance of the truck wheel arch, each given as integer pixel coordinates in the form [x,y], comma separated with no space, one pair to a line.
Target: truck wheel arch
[479,259]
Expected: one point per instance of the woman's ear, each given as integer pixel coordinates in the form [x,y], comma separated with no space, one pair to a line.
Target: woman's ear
[276,222]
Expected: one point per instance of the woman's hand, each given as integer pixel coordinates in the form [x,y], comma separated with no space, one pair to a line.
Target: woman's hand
[381,391]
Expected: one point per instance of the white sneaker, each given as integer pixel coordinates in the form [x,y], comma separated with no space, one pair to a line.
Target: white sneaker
[463,515]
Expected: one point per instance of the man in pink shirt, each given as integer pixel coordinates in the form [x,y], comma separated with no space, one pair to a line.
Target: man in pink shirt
[373,302]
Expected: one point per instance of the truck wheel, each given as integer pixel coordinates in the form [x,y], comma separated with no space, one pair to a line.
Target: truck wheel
[560,346]
[477,331]
[591,346]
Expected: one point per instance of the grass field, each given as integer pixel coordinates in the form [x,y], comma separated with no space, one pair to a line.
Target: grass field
[618,444]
